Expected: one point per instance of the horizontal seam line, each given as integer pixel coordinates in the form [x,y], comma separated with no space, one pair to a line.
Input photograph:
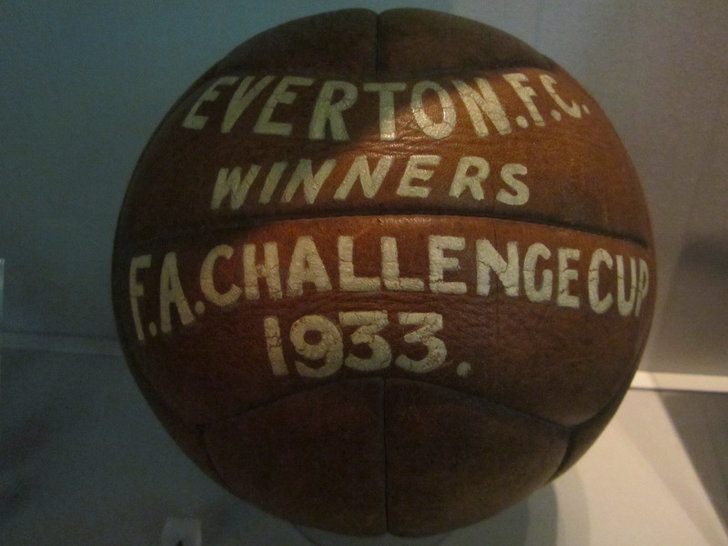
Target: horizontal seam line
[482,400]
[259,221]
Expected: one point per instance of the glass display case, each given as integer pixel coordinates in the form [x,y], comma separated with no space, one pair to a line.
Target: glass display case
[83,460]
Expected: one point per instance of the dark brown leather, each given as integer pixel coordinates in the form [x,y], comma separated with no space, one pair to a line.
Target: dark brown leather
[475,262]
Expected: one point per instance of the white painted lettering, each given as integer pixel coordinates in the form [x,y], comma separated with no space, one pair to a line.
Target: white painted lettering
[520,190]
[572,109]
[525,93]
[429,324]
[369,323]
[347,279]
[417,170]
[230,183]
[306,267]
[281,95]
[193,120]
[535,293]
[370,181]
[329,348]
[566,276]
[327,113]
[274,346]
[207,278]
[303,175]
[626,304]
[483,101]
[271,181]
[171,294]
[439,264]
[241,99]
[473,181]
[599,305]
[269,271]
[136,290]
[386,91]
[390,269]
[490,260]
[432,129]
[643,286]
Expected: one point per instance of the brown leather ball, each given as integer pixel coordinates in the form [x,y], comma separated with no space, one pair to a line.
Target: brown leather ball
[384,273]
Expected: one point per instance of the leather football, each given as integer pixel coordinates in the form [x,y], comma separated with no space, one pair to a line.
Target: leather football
[384,272]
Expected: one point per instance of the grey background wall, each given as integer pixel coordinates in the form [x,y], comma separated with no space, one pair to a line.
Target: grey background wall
[85,83]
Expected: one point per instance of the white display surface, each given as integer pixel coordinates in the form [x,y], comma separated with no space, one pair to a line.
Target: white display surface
[84,461]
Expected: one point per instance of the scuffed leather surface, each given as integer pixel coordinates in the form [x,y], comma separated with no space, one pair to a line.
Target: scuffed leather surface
[366,452]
